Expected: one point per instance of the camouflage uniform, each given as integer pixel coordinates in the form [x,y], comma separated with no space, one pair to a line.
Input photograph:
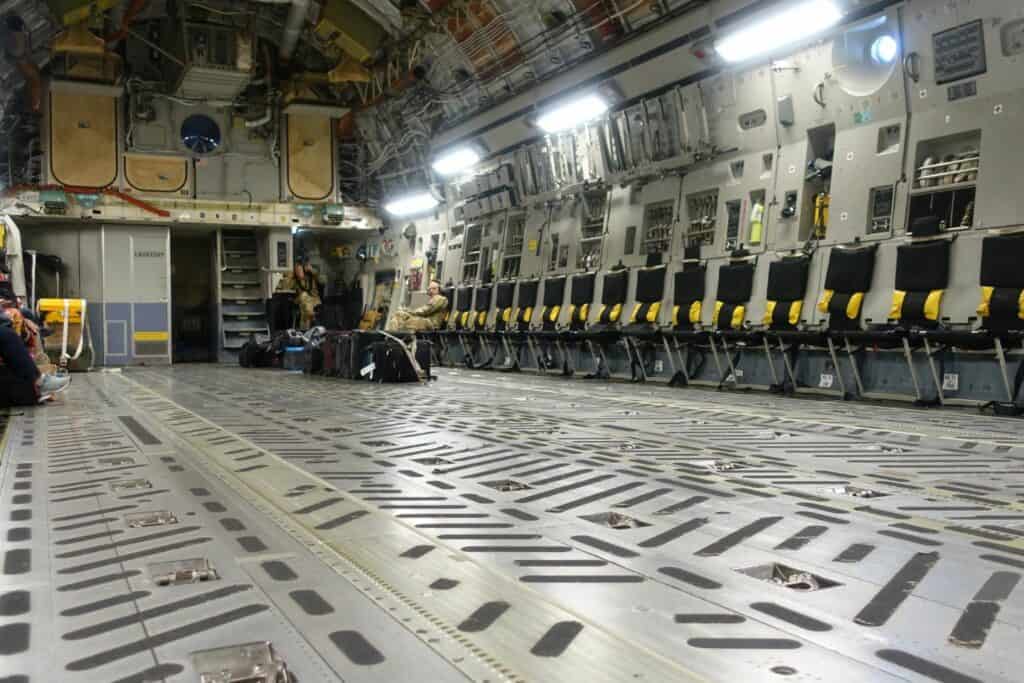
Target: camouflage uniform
[423,319]
[307,295]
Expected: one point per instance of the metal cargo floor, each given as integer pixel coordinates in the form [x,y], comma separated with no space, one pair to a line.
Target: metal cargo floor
[495,527]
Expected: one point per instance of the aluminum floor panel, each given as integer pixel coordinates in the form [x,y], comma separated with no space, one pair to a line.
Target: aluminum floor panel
[460,531]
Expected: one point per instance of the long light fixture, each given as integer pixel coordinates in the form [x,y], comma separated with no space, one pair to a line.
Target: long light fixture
[412,204]
[456,161]
[572,113]
[799,22]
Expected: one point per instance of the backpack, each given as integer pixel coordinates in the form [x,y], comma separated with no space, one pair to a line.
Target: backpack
[255,354]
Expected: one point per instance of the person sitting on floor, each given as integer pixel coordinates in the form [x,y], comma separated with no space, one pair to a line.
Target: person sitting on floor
[21,383]
[21,320]
[423,319]
[306,284]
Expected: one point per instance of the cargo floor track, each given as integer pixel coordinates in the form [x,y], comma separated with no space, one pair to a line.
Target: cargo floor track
[493,527]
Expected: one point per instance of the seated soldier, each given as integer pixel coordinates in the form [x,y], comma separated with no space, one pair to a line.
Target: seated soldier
[305,282]
[21,383]
[423,319]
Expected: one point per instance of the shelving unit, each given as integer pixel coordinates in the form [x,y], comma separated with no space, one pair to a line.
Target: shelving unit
[658,221]
[471,252]
[945,181]
[513,248]
[702,210]
[592,230]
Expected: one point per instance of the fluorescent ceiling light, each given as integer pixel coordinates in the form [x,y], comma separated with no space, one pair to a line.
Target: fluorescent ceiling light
[572,114]
[420,202]
[885,49]
[456,161]
[790,26]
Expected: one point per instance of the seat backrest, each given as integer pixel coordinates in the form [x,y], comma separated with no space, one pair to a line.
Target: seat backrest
[847,281]
[481,306]
[504,294]
[735,284]
[922,275]
[463,305]
[581,295]
[650,290]
[525,303]
[787,287]
[1002,283]
[688,297]
[613,296]
[554,295]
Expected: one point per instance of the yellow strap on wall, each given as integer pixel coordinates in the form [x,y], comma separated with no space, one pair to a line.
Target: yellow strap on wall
[151,336]
[465,318]
[695,311]
[1020,305]
[506,314]
[737,317]
[653,311]
[636,312]
[584,312]
[985,307]
[600,314]
[675,315]
[616,312]
[933,303]
[795,309]
[896,312]
[854,304]
[528,315]
[826,299]
[769,312]
[481,318]
[553,316]
[516,315]
[718,309]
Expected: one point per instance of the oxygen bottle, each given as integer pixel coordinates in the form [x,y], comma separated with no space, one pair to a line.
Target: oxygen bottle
[756,222]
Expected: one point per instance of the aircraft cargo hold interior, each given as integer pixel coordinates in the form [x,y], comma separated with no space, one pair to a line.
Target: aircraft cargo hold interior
[500,340]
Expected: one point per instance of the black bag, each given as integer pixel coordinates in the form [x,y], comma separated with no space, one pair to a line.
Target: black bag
[335,349]
[313,357]
[254,354]
[390,363]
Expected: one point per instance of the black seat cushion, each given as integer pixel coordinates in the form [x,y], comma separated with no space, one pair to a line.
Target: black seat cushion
[613,296]
[922,274]
[504,295]
[688,296]
[554,295]
[650,290]
[847,281]
[525,303]
[581,295]
[481,305]
[463,305]
[735,284]
[787,286]
[1002,282]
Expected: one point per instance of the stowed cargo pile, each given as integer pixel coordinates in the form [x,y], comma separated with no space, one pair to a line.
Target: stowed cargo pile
[356,355]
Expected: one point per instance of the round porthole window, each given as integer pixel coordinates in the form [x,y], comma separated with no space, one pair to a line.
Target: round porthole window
[884,49]
[200,134]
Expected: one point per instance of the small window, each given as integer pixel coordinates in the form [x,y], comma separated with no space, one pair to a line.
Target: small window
[753,119]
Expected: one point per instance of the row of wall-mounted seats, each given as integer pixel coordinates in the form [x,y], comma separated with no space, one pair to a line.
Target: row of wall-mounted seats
[532,314]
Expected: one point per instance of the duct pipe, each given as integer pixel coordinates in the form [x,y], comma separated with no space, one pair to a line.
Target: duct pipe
[18,46]
[293,27]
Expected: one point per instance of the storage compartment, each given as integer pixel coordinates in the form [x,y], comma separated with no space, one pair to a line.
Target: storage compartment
[594,206]
[702,213]
[945,180]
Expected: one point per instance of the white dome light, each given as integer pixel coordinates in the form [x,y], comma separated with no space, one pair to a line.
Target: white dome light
[884,49]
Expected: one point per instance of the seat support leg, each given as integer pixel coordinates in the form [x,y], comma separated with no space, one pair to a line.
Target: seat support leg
[910,366]
[935,372]
[790,370]
[835,364]
[1001,355]
[671,356]
[732,366]
[635,346]
[718,362]
[771,363]
[853,366]
[536,355]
